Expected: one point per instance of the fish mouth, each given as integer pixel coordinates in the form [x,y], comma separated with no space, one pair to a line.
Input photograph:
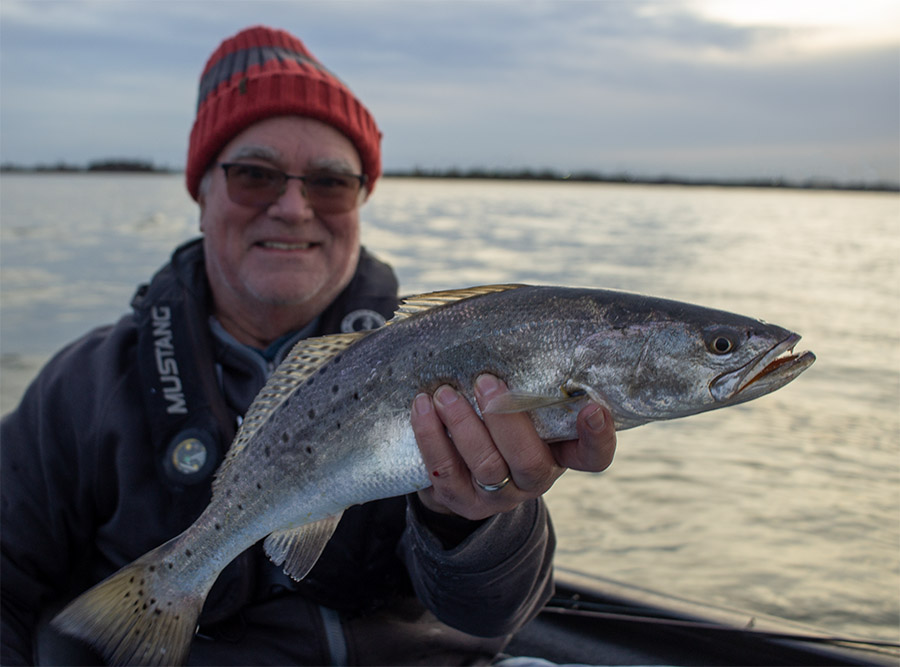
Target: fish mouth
[764,373]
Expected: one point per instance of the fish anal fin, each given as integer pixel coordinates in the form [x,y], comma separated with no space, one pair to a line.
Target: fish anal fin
[422,302]
[298,549]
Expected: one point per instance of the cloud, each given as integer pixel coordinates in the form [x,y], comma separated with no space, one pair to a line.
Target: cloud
[571,85]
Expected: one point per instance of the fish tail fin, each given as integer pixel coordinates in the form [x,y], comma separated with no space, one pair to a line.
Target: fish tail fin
[138,616]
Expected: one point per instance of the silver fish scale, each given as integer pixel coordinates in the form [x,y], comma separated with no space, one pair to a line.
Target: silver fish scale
[349,421]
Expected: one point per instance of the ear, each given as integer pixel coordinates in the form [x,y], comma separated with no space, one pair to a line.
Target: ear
[201,202]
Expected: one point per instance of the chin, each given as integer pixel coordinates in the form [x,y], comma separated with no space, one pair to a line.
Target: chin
[294,294]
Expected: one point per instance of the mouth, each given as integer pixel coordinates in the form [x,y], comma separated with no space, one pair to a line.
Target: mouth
[284,246]
[765,373]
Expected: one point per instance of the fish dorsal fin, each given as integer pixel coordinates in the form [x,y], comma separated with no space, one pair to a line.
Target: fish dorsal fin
[422,302]
[298,549]
[304,359]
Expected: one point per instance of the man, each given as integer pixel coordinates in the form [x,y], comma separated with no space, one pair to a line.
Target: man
[112,449]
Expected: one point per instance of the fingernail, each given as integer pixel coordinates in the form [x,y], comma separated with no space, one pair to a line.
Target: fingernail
[596,420]
[446,395]
[422,404]
[486,385]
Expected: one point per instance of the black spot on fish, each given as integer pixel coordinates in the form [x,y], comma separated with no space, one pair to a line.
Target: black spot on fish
[258,486]
[188,553]
[268,450]
[390,371]
[309,382]
[355,396]
[334,389]
[240,506]
[218,527]
[309,450]
[337,359]
[311,413]
[284,438]
[152,568]
[157,612]
[338,426]
[170,566]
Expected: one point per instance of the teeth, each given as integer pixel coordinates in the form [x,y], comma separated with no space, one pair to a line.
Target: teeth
[275,245]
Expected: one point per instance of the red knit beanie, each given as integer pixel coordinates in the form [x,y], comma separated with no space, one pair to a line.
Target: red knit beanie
[260,73]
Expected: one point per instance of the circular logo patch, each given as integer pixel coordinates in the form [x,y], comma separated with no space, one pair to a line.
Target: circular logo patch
[361,320]
[189,456]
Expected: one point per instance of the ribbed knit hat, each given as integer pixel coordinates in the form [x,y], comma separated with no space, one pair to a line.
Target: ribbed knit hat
[262,72]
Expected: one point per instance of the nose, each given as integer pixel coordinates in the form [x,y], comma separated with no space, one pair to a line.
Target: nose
[293,203]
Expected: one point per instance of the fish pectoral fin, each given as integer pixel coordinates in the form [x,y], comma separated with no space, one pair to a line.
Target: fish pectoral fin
[298,549]
[517,401]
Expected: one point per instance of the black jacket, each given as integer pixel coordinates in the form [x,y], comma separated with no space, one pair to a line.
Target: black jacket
[88,485]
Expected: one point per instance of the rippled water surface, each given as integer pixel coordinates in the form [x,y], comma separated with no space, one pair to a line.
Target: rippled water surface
[788,505]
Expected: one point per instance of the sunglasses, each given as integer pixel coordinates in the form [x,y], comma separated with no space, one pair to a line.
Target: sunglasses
[259,187]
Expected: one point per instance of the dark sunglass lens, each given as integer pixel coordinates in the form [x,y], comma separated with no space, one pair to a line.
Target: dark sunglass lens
[251,176]
[252,185]
[331,182]
[332,192]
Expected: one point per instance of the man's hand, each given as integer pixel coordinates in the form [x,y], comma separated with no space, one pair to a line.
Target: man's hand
[461,451]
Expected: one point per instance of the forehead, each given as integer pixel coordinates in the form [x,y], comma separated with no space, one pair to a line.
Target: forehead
[294,142]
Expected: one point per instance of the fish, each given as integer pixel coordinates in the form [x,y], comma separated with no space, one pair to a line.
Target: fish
[331,427]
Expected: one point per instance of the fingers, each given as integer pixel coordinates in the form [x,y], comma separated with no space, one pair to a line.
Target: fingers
[461,451]
[530,462]
[456,446]
[596,445]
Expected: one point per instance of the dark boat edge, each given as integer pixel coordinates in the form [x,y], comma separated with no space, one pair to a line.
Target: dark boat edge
[598,621]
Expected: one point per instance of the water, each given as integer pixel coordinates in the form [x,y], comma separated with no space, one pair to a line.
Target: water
[788,505]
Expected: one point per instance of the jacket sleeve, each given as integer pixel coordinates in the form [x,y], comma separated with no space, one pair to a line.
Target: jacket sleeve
[492,582]
[46,492]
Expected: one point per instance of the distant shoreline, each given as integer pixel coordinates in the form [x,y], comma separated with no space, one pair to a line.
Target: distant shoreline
[542,175]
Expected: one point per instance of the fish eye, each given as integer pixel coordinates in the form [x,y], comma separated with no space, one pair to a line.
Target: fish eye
[721,344]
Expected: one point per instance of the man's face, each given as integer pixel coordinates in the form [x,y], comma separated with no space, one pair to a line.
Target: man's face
[286,254]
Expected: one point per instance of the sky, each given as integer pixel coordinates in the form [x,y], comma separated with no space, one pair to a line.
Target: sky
[719,89]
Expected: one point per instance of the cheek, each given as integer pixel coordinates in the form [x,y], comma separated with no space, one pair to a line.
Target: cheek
[349,229]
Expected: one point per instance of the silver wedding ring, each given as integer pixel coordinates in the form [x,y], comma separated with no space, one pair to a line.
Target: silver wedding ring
[493,487]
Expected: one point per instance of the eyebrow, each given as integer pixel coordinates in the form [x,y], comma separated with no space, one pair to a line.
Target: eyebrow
[260,152]
[331,164]
[270,154]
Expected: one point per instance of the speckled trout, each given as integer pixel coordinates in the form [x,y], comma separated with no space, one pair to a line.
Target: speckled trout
[331,428]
